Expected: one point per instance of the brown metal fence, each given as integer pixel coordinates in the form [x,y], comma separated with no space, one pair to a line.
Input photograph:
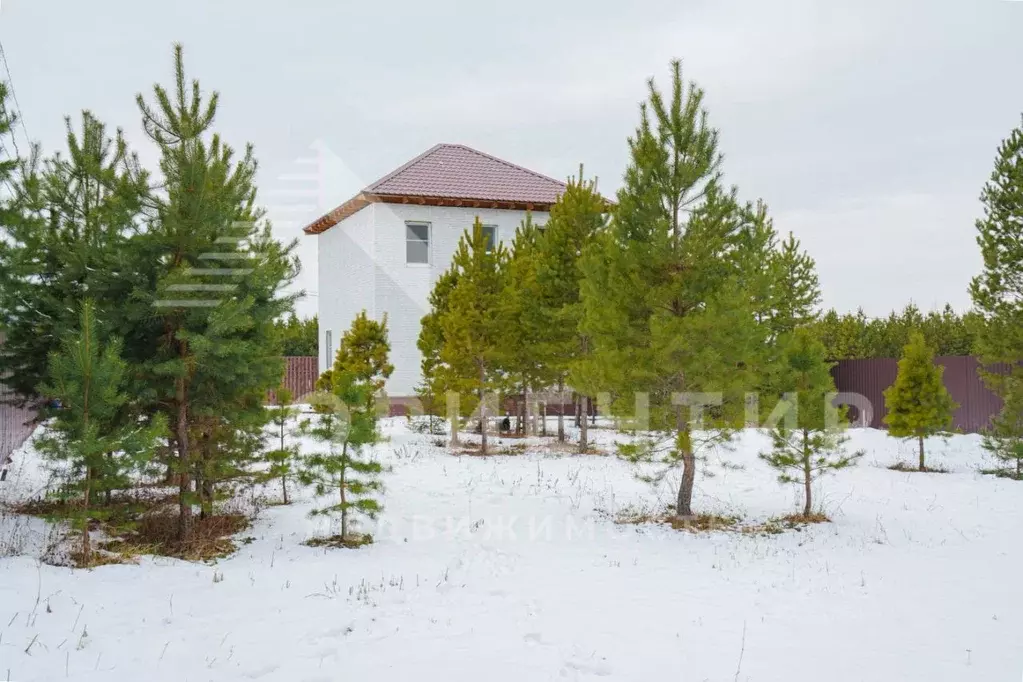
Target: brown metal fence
[300,377]
[16,424]
[870,377]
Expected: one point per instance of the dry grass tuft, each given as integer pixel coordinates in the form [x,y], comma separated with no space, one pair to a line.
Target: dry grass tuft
[913,468]
[352,541]
[700,523]
[157,534]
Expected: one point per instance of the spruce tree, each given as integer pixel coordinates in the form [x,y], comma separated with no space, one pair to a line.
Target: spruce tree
[667,291]
[998,292]
[282,458]
[806,443]
[472,350]
[918,403]
[209,275]
[94,446]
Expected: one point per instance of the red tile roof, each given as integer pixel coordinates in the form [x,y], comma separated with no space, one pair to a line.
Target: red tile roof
[450,174]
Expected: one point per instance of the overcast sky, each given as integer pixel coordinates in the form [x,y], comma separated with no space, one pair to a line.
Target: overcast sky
[868,127]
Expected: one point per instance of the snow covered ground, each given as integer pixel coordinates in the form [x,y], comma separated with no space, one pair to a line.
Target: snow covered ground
[508,568]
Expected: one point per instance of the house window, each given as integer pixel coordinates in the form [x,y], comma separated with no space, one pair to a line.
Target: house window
[329,347]
[490,233]
[417,243]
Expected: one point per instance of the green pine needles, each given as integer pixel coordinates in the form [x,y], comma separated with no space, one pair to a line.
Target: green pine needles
[95,438]
[919,405]
[808,441]
[347,428]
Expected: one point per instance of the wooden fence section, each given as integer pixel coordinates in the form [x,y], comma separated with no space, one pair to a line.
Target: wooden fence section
[869,378]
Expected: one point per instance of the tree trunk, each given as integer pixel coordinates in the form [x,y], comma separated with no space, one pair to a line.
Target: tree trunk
[543,417]
[529,429]
[684,443]
[561,411]
[921,440]
[584,444]
[577,400]
[284,487]
[483,413]
[807,477]
[184,465]
[86,545]
[454,413]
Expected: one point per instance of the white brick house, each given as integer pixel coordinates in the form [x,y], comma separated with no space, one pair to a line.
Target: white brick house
[383,250]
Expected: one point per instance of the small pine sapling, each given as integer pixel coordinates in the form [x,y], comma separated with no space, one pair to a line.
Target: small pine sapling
[919,405]
[282,458]
[347,427]
[806,443]
[1004,440]
[95,439]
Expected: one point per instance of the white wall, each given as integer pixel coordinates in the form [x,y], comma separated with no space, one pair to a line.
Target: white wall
[345,277]
[399,289]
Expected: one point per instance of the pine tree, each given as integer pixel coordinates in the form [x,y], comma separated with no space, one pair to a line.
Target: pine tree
[363,352]
[805,445]
[298,337]
[667,289]
[998,293]
[282,458]
[89,439]
[918,403]
[472,327]
[200,318]
[347,428]
[62,239]
[575,220]
[439,381]
[1004,440]
[797,293]
[524,353]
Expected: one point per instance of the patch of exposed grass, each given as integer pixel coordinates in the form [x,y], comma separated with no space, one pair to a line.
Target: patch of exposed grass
[1003,473]
[700,523]
[776,526]
[352,541]
[157,534]
[906,467]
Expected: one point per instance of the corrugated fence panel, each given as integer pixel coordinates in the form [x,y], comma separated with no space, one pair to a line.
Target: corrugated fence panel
[16,424]
[869,378]
[300,377]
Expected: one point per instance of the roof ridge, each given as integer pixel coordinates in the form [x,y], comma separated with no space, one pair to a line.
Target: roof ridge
[506,163]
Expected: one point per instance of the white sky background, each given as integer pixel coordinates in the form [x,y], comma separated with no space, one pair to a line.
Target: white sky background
[868,127]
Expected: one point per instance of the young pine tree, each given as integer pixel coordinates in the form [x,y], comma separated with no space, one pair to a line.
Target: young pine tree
[807,442]
[473,329]
[209,288]
[576,218]
[1004,440]
[92,443]
[282,457]
[348,429]
[666,291]
[439,381]
[363,352]
[998,292]
[918,403]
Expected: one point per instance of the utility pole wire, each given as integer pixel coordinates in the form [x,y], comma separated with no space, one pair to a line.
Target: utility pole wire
[14,97]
